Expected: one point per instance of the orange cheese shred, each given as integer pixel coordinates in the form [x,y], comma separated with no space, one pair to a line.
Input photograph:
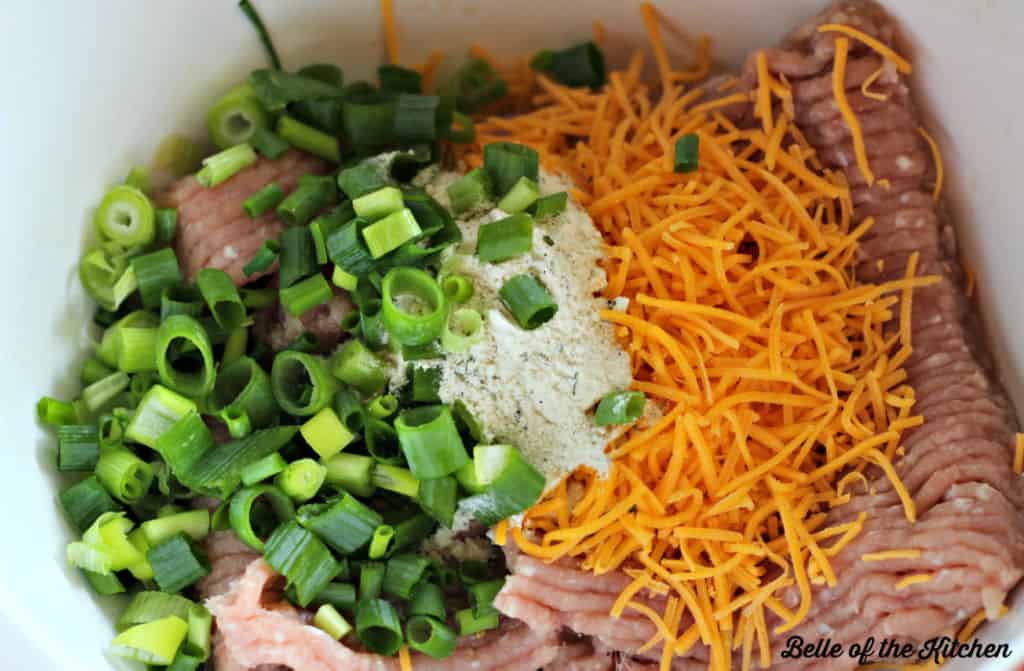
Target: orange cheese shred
[387,13]
[776,374]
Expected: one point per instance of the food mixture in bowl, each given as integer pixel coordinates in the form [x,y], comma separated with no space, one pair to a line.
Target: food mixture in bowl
[550,366]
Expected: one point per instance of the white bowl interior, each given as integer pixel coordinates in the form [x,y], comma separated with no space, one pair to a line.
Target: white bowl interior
[95,86]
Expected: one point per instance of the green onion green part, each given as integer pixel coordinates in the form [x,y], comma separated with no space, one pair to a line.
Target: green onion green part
[302,558]
[301,480]
[264,200]
[414,307]
[378,626]
[222,297]
[263,469]
[240,511]
[224,165]
[687,156]
[351,472]
[579,65]
[184,356]
[430,636]
[326,434]
[310,139]
[345,524]
[328,619]
[469,623]
[380,542]
[177,564]
[303,296]
[522,195]
[430,441]
[359,368]
[621,407]
[506,162]
[529,302]
[395,479]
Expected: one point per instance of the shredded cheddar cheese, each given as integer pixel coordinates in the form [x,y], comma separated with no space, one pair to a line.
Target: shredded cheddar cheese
[839,91]
[937,159]
[1018,455]
[777,379]
[387,13]
[916,579]
[902,64]
[404,659]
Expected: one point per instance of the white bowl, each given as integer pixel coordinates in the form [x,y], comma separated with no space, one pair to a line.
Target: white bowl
[91,88]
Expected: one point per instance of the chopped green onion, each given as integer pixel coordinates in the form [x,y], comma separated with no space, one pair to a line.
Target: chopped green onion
[329,620]
[155,272]
[327,73]
[363,178]
[424,385]
[263,258]
[155,642]
[351,472]
[78,447]
[463,330]
[341,595]
[505,239]
[307,342]
[299,556]
[179,334]
[107,351]
[349,409]
[85,502]
[380,541]
[475,85]
[104,585]
[468,480]
[258,299]
[416,117]
[218,472]
[107,277]
[469,623]
[550,205]
[379,203]
[511,484]
[482,595]
[263,201]
[369,118]
[528,301]
[458,288]
[177,564]
[391,232]
[438,498]
[371,579]
[111,431]
[124,475]
[395,479]
[381,441]
[371,325]
[430,441]
[93,370]
[234,346]
[240,511]
[414,307]
[178,300]
[177,154]
[430,636]
[55,413]
[301,480]
[506,162]
[403,573]
[346,249]
[360,368]
[378,626]
[579,65]
[310,139]
[263,469]
[383,406]
[298,256]
[158,410]
[687,153]
[200,632]
[470,190]
[126,216]
[224,165]
[346,524]
[522,195]
[243,385]
[136,349]
[277,89]
[166,224]
[343,280]
[306,295]
[101,392]
[193,523]
[312,195]
[412,531]
[222,297]
[622,407]
[326,434]
[184,443]
[148,606]
[399,79]
[235,118]
[261,30]
[268,143]
[322,227]
[427,599]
